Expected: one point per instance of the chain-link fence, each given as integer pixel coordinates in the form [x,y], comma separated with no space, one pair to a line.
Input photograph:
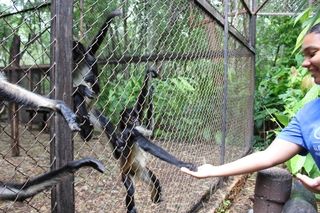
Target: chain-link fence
[202,100]
[282,8]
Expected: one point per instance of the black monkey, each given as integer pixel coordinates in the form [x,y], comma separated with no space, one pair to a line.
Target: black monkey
[85,76]
[132,158]
[14,93]
[85,83]
[22,191]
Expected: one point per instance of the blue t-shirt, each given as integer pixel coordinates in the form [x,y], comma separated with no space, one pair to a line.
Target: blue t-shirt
[304,130]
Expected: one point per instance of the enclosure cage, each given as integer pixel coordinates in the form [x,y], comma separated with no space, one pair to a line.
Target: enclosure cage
[202,100]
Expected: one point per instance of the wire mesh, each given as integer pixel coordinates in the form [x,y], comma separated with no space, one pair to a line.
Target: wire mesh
[28,154]
[239,101]
[185,45]
[238,16]
[288,7]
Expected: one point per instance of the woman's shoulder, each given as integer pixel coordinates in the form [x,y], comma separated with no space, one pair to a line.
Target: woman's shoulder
[311,106]
[313,103]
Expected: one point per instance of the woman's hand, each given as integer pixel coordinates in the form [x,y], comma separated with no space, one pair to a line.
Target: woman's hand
[204,171]
[313,184]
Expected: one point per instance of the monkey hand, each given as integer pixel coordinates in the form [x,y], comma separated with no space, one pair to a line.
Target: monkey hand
[68,115]
[120,145]
[312,184]
[189,166]
[86,162]
[204,171]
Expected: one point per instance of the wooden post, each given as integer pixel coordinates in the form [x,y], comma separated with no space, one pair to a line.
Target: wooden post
[13,107]
[61,80]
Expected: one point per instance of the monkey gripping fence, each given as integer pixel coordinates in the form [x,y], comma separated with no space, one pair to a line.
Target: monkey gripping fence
[203,99]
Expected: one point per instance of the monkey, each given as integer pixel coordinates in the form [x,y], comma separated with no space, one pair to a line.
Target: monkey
[21,191]
[14,93]
[86,88]
[131,135]
[85,76]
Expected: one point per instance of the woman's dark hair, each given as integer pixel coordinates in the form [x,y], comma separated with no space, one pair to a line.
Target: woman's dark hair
[315,29]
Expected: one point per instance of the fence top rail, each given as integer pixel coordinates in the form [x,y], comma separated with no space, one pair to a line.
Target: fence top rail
[37,7]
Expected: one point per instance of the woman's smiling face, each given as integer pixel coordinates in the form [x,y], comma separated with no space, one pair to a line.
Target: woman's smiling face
[311,52]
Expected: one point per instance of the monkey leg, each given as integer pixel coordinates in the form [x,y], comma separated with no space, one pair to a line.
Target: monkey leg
[22,191]
[155,187]
[83,119]
[128,183]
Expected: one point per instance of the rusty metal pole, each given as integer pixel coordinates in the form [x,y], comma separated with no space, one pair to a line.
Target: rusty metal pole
[272,190]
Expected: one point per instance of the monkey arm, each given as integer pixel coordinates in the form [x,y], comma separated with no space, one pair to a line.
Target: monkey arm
[83,119]
[22,191]
[159,152]
[14,93]
[145,92]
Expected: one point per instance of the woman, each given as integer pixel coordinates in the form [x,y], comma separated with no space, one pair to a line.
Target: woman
[301,136]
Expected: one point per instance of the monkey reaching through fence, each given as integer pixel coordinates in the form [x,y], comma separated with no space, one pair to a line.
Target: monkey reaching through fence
[13,191]
[132,136]
[22,191]
[85,82]
[14,93]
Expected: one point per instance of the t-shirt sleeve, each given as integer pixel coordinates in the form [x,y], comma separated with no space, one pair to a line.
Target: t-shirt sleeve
[292,133]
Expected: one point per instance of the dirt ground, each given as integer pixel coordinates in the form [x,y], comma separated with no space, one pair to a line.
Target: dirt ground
[95,192]
[235,196]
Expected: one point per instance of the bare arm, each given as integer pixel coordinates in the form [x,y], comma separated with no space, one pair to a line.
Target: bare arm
[278,152]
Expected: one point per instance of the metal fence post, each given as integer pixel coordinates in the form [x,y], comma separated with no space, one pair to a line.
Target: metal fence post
[61,152]
[225,79]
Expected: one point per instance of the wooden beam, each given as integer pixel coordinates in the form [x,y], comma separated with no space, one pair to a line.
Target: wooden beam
[61,150]
[13,107]
[220,20]
[260,7]
[38,7]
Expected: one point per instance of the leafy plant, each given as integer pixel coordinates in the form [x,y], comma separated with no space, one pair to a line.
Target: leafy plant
[308,18]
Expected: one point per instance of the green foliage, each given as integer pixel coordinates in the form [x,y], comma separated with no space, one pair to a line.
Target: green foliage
[173,99]
[224,206]
[276,74]
[308,18]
